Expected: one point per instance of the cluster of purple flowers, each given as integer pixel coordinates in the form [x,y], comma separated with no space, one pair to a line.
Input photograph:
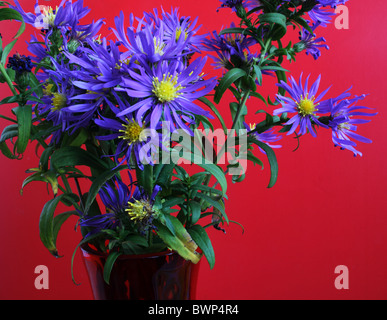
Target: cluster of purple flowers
[145,75]
[122,88]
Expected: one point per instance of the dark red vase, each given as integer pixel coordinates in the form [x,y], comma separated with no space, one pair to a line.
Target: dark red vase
[157,276]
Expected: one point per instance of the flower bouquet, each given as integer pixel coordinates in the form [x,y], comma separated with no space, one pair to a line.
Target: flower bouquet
[125,125]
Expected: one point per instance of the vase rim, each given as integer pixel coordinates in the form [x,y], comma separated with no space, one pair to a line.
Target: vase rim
[87,249]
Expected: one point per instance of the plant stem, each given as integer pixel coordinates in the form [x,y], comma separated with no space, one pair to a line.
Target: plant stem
[8,79]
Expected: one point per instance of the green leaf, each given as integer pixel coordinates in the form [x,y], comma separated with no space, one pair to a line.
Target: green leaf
[98,182]
[74,156]
[228,79]
[46,224]
[258,74]
[218,174]
[181,242]
[218,204]
[107,269]
[278,22]
[24,120]
[272,161]
[11,14]
[6,152]
[200,236]
[6,51]
[215,110]
[9,132]
[164,177]
[48,177]
[195,211]
[232,30]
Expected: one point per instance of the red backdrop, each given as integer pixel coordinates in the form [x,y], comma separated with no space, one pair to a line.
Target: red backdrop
[327,209]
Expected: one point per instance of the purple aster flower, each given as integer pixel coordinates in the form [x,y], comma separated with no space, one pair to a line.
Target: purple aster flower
[100,66]
[310,43]
[321,15]
[304,102]
[67,14]
[167,92]
[232,50]
[125,205]
[176,27]
[343,121]
[115,196]
[149,43]
[134,138]
[332,3]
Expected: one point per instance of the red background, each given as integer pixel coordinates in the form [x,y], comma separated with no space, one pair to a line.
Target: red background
[327,209]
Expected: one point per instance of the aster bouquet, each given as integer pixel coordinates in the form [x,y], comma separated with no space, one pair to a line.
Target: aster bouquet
[121,117]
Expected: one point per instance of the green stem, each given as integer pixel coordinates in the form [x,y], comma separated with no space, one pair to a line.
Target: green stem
[8,79]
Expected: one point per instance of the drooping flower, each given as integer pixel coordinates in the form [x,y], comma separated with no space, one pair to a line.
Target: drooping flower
[343,121]
[268,137]
[310,43]
[166,92]
[321,15]
[302,101]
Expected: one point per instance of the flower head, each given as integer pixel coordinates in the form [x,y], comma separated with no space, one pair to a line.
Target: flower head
[166,92]
[302,101]
[66,15]
[310,43]
[343,121]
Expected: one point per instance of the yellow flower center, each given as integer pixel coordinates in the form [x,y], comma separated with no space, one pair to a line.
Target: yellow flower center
[159,46]
[49,16]
[47,89]
[179,31]
[306,106]
[132,132]
[252,126]
[58,101]
[166,90]
[139,210]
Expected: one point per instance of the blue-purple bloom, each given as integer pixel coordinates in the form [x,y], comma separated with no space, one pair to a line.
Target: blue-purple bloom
[167,92]
[229,46]
[322,13]
[343,121]
[302,101]
[66,15]
[125,205]
[134,138]
[311,44]
[268,137]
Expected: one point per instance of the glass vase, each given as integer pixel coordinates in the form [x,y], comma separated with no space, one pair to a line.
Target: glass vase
[157,276]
